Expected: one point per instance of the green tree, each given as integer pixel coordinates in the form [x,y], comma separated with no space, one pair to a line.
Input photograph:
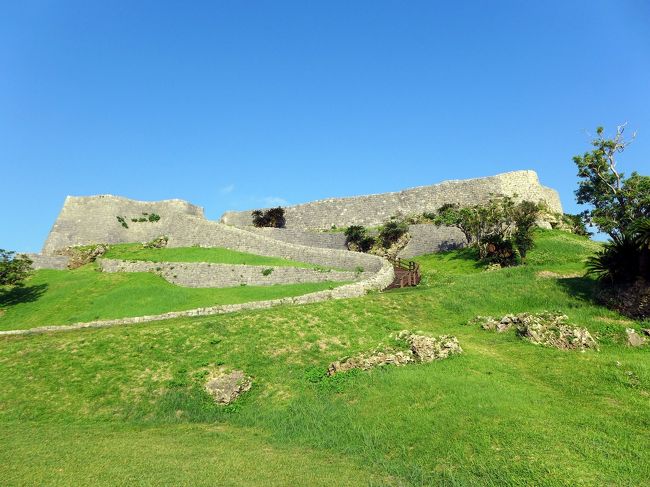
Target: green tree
[616,201]
[14,269]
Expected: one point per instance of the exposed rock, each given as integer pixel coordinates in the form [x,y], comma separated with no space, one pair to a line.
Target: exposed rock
[633,338]
[548,329]
[80,256]
[494,266]
[422,349]
[157,243]
[427,349]
[226,387]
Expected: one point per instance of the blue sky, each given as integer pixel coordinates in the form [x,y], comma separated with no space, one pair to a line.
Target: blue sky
[236,105]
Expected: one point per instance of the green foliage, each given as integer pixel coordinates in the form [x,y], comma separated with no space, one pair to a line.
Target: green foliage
[391,232]
[623,259]
[267,272]
[615,202]
[575,224]
[357,238]
[153,217]
[495,228]
[157,243]
[14,269]
[273,217]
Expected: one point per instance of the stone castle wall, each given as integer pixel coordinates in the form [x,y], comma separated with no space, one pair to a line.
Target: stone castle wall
[371,210]
[201,274]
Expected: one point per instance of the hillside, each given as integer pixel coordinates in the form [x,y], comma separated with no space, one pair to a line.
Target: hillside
[125,405]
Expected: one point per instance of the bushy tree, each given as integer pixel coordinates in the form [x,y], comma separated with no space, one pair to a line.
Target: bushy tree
[14,269]
[357,238]
[498,228]
[391,232]
[616,202]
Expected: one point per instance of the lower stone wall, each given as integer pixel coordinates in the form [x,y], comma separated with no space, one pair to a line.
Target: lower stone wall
[427,239]
[201,274]
[40,261]
[378,281]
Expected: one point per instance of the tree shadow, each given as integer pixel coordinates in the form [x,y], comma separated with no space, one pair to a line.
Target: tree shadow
[21,294]
[583,288]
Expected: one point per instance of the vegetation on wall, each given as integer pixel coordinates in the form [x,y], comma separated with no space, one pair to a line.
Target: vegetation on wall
[145,217]
[273,217]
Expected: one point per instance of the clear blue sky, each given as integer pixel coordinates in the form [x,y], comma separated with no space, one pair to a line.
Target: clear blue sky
[234,105]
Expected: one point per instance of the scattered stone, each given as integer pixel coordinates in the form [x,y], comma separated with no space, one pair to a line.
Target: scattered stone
[427,349]
[422,349]
[226,387]
[494,266]
[633,338]
[547,329]
[157,243]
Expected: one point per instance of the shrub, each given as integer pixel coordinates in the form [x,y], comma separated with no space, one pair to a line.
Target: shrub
[153,217]
[267,272]
[575,224]
[14,269]
[273,217]
[357,238]
[391,232]
[122,221]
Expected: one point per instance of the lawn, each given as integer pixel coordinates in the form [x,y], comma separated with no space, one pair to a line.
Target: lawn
[125,405]
[53,297]
[215,255]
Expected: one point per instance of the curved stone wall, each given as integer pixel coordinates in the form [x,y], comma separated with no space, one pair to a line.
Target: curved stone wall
[371,210]
[202,274]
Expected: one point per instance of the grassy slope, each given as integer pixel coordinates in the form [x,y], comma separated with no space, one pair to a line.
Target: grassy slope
[95,407]
[215,255]
[63,297]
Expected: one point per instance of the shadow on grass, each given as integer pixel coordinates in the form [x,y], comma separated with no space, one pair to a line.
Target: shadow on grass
[21,294]
[583,288]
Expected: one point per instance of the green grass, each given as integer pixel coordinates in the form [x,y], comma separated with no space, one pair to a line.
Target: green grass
[216,255]
[53,297]
[125,405]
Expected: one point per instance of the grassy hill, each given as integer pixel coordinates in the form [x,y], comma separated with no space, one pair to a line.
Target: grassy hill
[125,405]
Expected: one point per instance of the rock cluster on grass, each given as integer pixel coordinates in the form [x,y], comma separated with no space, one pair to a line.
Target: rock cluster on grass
[80,256]
[547,329]
[634,339]
[226,387]
[421,349]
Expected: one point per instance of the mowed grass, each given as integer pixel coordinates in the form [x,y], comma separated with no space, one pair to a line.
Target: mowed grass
[215,255]
[54,297]
[125,405]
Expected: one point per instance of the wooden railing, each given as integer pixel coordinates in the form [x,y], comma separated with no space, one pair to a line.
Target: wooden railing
[407,273]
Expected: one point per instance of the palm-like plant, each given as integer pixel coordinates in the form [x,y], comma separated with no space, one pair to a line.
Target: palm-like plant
[618,261]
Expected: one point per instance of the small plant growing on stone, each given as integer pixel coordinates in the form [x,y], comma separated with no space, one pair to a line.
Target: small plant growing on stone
[154,217]
[122,221]
[267,272]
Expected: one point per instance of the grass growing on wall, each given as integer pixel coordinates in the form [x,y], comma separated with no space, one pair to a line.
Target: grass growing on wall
[54,297]
[125,405]
[216,255]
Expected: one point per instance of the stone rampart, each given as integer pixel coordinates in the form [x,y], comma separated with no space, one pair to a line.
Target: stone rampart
[303,237]
[371,210]
[87,220]
[200,274]
[40,261]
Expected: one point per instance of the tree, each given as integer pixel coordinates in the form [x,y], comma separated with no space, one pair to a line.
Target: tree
[273,217]
[14,269]
[616,202]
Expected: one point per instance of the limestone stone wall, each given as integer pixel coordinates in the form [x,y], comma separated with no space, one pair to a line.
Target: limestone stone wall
[200,274]
[427,239]
[87,220]
[303,237]
[40,261]
[375,209]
